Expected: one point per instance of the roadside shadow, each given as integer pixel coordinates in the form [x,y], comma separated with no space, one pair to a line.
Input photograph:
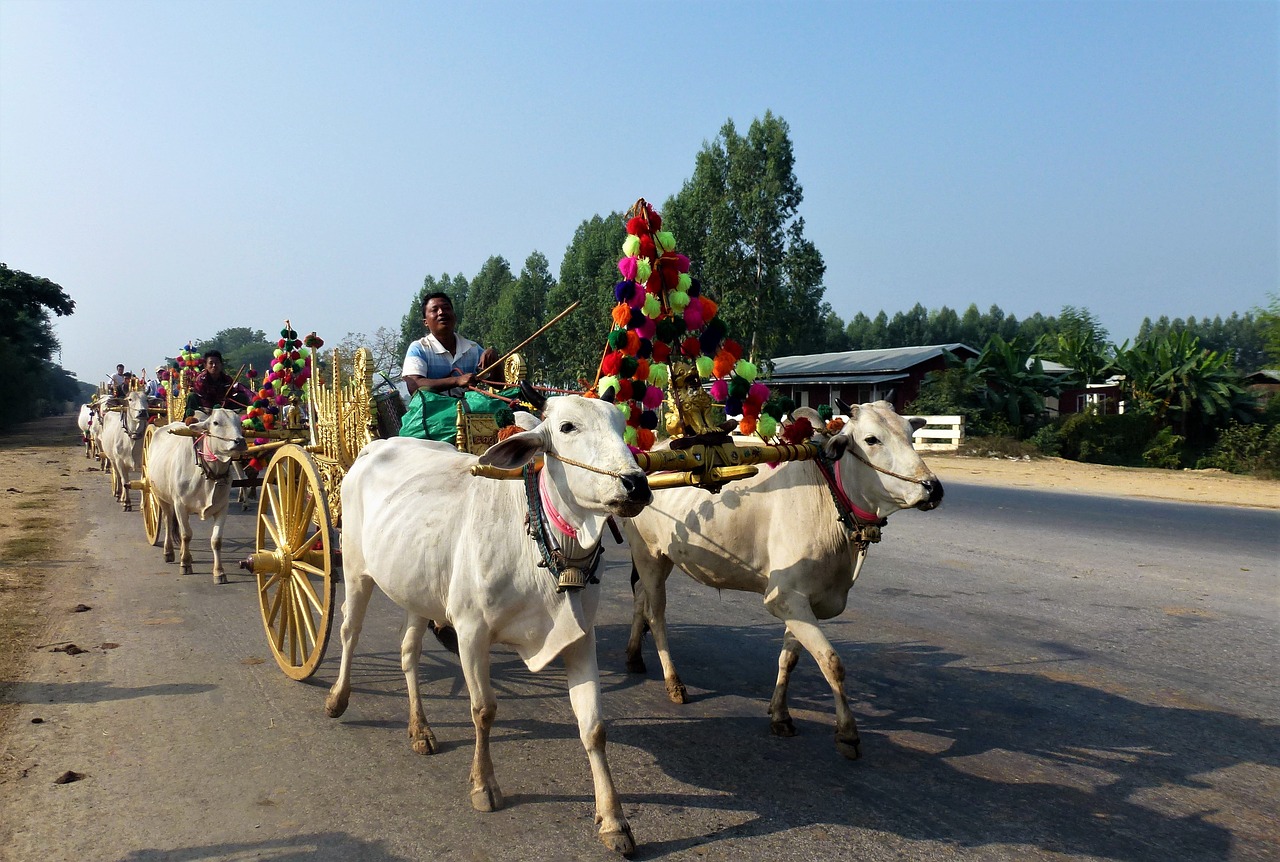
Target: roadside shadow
[314,847]
[969,757]
[38,693]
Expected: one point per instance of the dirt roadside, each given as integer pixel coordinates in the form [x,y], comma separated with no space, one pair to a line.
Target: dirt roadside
[44,474]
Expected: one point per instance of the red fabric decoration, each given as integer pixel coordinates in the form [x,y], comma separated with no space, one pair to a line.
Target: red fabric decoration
[647,248]
[798,431]
[611,363]
[734,348]
[661,352]
[621,314]
[691,348]
[638,226]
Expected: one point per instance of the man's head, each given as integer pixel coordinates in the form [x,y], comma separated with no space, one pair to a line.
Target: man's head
[213,363]
[437,313]
[120,368]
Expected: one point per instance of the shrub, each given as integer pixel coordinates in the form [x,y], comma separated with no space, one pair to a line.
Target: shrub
[1116,439]
[1048,440]
[1165,450]
[997,446]
[1252,448]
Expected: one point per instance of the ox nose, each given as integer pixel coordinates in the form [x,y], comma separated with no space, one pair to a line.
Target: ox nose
[637,486]
[240,445]
[934,488]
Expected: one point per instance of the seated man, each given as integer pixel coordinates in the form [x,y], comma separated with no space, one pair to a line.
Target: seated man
[120,382]
[441,364]
[213,388]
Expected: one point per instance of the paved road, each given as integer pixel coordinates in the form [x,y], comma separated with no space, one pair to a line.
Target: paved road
[1034,675]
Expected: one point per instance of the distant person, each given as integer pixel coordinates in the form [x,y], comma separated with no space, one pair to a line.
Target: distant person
[120,382]
[213,388]
[443,359]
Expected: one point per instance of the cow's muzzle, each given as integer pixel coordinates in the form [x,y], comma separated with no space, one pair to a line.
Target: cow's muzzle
[638,496]
[934,489]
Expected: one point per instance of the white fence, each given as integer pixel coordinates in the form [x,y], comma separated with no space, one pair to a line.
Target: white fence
[942,434]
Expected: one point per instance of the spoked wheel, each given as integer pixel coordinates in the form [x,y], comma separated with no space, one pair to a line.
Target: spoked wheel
[293,563]
[150,506]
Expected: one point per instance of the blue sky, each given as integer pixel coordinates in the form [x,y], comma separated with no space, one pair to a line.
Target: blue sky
[180,167]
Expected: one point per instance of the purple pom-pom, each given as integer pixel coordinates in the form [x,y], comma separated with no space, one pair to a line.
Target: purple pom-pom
[649,419]
[652,397]
[733,406]
[695,288]
[624,290]
[646,346]
[710,339]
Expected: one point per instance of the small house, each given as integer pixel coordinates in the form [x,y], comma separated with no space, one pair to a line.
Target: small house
[859,376]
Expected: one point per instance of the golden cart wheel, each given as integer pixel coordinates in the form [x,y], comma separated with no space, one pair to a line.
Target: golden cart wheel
[150,506]
[293,563]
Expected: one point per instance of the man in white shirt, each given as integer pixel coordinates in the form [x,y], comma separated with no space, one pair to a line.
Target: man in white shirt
[442,359]
[120,382]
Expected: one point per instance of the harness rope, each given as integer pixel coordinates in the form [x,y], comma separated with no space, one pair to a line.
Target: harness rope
[593,469]
[572,572]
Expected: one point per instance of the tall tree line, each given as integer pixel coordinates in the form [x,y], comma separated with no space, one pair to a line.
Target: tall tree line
[31,383]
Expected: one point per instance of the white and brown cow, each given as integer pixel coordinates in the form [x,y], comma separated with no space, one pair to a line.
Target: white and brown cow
[777,534]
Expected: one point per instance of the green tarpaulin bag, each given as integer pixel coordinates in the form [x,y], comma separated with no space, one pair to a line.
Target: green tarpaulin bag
[432,416]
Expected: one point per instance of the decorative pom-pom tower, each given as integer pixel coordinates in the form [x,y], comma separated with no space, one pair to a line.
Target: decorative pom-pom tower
[283,388]
[666,338]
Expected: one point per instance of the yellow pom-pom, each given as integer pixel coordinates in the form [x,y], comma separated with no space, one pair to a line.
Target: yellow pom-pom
[665,240]
[746,370]
[643,270]
[652,306]
[631,246]
[679,300]
[659,374]
[607,382]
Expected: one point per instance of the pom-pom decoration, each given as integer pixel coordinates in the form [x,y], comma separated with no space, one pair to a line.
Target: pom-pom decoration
[662,316]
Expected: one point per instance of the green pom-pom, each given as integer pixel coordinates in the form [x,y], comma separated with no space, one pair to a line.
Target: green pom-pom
[631,246]
[277,352]
[766,426]
[617,338]
[659,374]
[625,411]
[629,436]
[607,382]
[705,365]
[746,370]
[686,282]
[284,333]
[504,416]
[679,301]
[779,406]
[665,240]
[278,367]
[825,413]
[739,388]
[627,367]
[643,270]
[247,423]
[652,306]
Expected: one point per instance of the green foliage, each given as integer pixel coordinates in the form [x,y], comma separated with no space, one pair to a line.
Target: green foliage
[1116,439]
[588,271]
[30,383]
[1080,343]
[483,296]
[1252,448]
[520,312]
[1164,450]
[952,391]
[241,346]
[737,218]
[1047,440]
[411,326]
[1010,382]
[1269,329]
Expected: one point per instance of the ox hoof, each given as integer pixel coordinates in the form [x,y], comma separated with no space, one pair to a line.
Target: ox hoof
[849,748]
[635,664]
[168,556]
[426,744]
[785,727]
[335,705]
[486,799]
[188,569]
[220,578]
[676,691]
[620,841]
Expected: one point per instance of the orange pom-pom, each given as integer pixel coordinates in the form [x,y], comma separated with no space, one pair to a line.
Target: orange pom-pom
[644,438]
[504,433]
[642,369]
[835,425]
[724,363]
[621,314]
[632,345]
[747,425]
[709,309]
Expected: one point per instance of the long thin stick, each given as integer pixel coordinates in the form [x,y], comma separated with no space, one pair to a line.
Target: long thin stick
[498,362]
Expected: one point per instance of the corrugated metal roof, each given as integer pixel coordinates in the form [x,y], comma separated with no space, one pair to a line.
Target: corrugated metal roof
[893,360]
[793,380]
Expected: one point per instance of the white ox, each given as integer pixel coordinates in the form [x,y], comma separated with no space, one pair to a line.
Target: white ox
[85,421]
[777,534]
[448,546]
[121,440]
[193,477]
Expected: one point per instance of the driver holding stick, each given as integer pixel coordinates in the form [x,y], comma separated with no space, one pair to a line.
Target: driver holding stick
[442,359]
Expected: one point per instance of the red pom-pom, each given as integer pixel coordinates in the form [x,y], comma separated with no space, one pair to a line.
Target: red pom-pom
[798,431]
[670,276]
[655,220]
[733,347]
[624,394]
[638,226]
[691,348]
[644,438]
[611,363]
[281,344]
[661,351]
[647,248]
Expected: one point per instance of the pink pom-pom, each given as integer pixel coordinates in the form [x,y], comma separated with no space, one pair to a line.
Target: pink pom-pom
[758,393]
[682,263]
[636,300]
[652,397]
[719,390]
[627,266]
[648,329]
[281,401]
[693,316]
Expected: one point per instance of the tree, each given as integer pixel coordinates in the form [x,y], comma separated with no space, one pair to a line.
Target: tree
[588,272]
[30,383]
[521,311]
[1269,326]
[411,325]
[240,346]
[737,220]
[1080,344]
[483,296]
[1008,382]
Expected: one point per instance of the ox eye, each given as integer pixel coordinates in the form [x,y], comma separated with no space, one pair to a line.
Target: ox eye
[872,441]
[567,428]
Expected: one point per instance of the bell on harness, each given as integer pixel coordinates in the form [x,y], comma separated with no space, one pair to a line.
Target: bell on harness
[571,578]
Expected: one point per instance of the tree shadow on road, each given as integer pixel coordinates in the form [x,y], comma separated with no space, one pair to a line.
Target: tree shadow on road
[37,693]
[314,847]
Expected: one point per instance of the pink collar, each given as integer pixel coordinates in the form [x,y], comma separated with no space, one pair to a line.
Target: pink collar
[205,450]
[860,514]
[553,514]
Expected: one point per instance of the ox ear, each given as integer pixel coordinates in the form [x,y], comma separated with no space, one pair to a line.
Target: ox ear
[527,420]
[517,450]
[833,447]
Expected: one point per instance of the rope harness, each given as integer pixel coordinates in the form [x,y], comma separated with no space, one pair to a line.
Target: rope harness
[205,458]
[573,565]
[863,527]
